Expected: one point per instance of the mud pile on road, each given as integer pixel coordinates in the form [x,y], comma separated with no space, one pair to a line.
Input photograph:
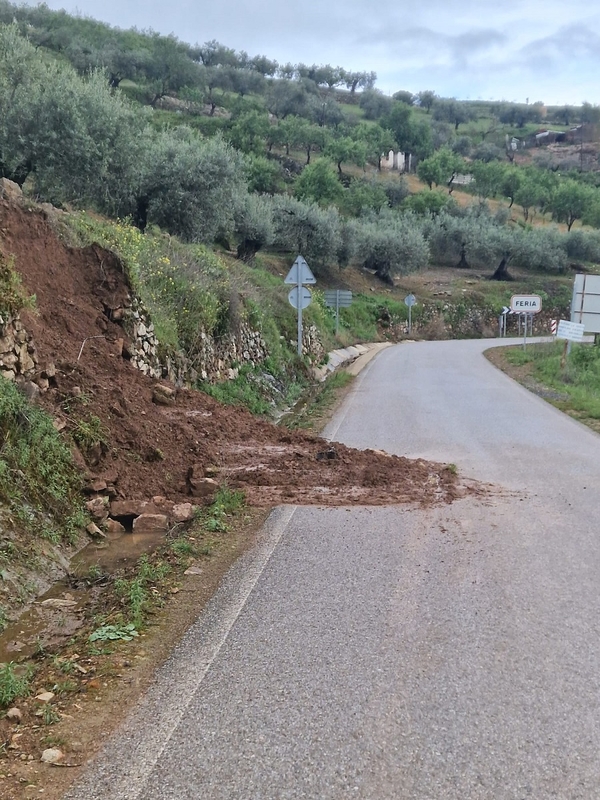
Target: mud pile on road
[148,447]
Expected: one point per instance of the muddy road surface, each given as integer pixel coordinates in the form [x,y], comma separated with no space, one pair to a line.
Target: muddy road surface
[414,653]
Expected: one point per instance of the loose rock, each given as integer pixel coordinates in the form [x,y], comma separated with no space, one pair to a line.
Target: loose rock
[14,714]
[52,756]
[45,697]
[151,523]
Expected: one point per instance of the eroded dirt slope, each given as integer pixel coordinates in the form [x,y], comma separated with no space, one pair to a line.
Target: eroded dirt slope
[150,448]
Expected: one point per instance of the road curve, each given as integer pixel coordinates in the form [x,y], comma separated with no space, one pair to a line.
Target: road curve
[397,652]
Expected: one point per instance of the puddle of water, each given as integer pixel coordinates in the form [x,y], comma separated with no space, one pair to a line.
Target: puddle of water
[111,555]
[60,612]
[44,625]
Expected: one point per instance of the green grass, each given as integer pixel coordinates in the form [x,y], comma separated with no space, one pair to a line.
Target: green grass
[310,413]
[579,380]
[13,683]
[38,479]
[13,297]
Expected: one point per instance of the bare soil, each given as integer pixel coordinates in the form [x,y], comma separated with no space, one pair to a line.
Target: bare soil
[150,448]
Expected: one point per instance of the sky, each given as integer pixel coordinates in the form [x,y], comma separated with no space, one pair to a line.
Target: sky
[516,50]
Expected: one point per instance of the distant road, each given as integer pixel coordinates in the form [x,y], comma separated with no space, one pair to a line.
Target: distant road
[399,653]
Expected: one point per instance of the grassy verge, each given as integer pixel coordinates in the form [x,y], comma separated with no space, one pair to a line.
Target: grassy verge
[574,388]
[315,408]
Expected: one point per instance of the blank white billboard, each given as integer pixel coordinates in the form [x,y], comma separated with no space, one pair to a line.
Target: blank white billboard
[585,307]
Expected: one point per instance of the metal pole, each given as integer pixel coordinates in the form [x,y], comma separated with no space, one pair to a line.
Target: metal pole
[299,322]
[299,288]
[525,332]
[409,320]
[337,311]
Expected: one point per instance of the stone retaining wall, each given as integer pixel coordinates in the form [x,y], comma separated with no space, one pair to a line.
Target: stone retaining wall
[18,358]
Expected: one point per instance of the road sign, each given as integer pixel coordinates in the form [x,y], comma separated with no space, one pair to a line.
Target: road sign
[338,298]
[300,273]
[525,303]
[505,310]
[410,300]
[571,331]
[553,326]
[300,297]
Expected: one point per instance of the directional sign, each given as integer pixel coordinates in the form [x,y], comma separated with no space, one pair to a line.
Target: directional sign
[299,297]
[525,303]
[300,273]
[338,298]
[506,310]
[410,300]
[572,331]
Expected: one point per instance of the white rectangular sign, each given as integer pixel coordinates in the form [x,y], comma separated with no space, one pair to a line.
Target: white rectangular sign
[525,303]
[585,307]
[573,331]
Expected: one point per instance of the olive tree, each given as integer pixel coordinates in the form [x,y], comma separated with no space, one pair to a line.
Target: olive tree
[304,227]
[392,245]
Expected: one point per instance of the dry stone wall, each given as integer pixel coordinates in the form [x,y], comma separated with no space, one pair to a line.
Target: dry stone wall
[18,358]
[214,359]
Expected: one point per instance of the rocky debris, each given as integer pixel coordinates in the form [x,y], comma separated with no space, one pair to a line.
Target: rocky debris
[14,714]
[205,488]
[194,570]
[183,512]
[112,526]
[98,508]
[45,697]
[94,531]
[163,395]
[198,485]
[127,508]
[52,755]
[151,523]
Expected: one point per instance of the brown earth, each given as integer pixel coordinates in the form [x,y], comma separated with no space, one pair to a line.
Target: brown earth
[150,448]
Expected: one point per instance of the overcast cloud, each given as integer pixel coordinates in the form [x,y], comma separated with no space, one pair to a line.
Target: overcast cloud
[513,50]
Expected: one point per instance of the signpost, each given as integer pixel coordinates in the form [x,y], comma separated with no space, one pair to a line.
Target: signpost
[502,320]
[298,275]
[526,305]
[410,300]
[338,298]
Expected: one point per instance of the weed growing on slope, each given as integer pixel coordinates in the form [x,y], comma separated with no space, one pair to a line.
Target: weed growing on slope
[13,297]
[13,683]
[38,479]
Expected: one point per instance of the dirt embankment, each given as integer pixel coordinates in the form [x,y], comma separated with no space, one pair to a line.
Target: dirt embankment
[150,448]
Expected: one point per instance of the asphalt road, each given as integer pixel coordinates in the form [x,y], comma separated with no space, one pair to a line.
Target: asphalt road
[394,652]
